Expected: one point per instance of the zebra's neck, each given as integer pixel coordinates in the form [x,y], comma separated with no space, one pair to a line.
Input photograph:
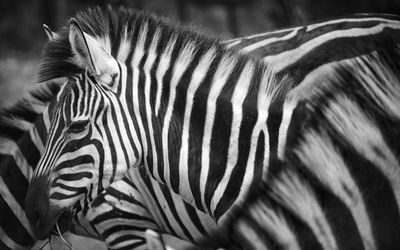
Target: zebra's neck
[202,115]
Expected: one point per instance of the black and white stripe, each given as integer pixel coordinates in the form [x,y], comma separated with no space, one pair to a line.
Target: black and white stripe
[374,36]
[338,186]
[183,97]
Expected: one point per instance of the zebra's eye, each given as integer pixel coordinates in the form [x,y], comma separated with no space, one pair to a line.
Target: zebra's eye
[78,126]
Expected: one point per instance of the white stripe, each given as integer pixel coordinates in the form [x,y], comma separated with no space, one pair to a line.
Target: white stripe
[163,66]
[9,242]
[289,57]
[225,68]
[124,45]
[266,95]
[264,34]
[124,243]
[294,194]
[17,122]
[348,20]
[365,136]
[238,97]
[288,108]
[274,223]
[79,98]
[197,77]
[46,118]
[114,126]
[264,43]
[335,175]
[14,206]
[143,195]
[185,218]
[130,127]
[9,147]
[167,211]
[33,132]
[182,62]
[152,55]
[139,52]
[231,44]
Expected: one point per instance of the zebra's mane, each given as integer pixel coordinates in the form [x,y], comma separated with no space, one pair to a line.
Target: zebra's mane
[118,31]
[109,27]
[17,119]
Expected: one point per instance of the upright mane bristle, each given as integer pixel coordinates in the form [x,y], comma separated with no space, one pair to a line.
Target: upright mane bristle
[107,26]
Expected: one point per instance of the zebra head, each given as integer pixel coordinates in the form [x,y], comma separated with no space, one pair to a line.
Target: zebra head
[83,154]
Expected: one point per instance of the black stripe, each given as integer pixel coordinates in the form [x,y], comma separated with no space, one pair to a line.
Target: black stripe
[274,120]
[12,227]
[122,196]
[142,104]
[303,37]
[191,211]
[75,176]
[128,96]
[162,111]
[378,196]
[176,125]
[249,41]
[220,134]
[249,118]
[149,185]
[14,179]
[339,49]
[340,220]
[111,146]
[171,205]
[80,159]
[118,128]
[196,131]
[128,238]
[42,131]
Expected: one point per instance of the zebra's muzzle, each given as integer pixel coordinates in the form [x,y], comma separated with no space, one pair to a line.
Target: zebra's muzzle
[42,217]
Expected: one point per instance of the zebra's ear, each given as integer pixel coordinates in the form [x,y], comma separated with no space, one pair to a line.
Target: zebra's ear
[89,54]
[49,33]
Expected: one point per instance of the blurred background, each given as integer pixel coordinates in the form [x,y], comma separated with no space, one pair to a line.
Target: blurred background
[22,36]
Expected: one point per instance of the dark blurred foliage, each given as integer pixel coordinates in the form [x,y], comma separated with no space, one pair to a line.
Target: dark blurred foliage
[21,21]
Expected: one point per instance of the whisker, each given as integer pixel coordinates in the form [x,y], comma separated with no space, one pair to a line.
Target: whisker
[69,245]
[45,244]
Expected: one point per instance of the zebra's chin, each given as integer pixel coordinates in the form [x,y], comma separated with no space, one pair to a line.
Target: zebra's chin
[55,223]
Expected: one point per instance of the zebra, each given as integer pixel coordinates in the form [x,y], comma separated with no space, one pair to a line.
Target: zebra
[364,29]
[21,147]
[338,185]
[101,218]
[108,79]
